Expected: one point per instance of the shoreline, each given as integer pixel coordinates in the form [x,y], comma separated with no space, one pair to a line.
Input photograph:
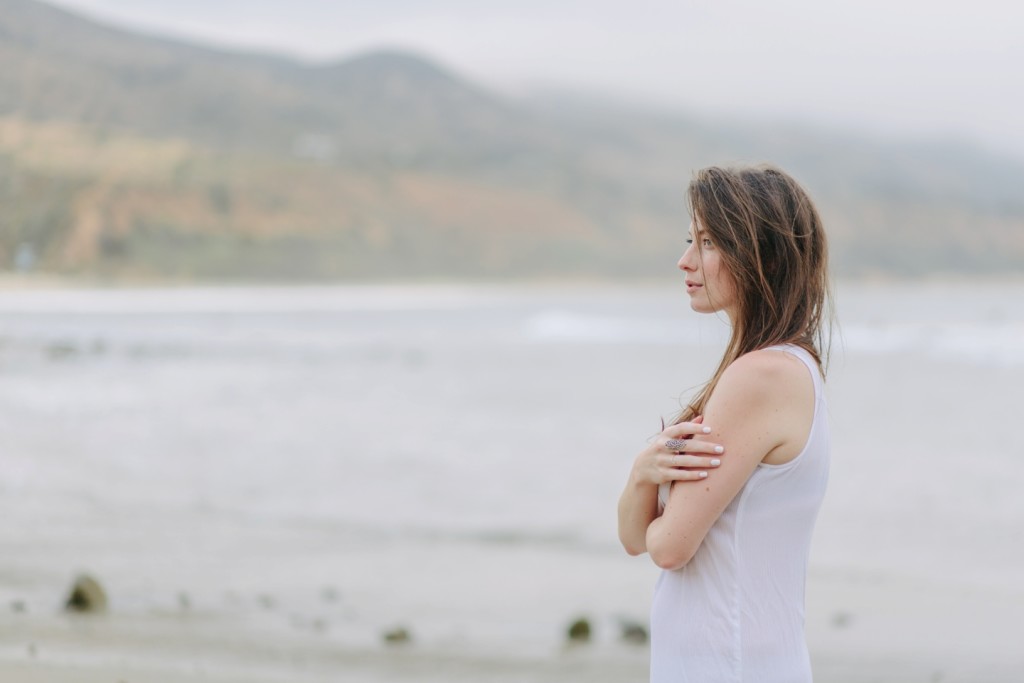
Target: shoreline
[238,461]
[10,281]
[861,628]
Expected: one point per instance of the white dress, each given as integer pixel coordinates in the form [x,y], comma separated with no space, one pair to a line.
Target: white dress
[735,612]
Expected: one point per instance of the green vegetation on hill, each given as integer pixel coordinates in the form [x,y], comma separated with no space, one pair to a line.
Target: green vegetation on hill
[130,156]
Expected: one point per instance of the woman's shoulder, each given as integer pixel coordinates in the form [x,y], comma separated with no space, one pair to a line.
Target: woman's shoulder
[766,375]
[772,363]
[773,391]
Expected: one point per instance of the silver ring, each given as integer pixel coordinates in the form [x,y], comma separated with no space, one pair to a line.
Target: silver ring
[677,445]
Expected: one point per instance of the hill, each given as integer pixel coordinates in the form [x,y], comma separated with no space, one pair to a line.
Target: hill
[128,155]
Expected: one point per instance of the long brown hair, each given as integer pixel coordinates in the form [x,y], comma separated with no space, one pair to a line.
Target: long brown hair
[773,245]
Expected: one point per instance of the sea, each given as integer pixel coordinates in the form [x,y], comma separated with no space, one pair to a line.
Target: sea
[443,462]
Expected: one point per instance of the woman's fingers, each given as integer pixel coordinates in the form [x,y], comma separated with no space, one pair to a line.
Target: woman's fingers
[687,467]
[685,429]
[691,461]
[694,446]
[677,456]
[681,445]
[685,475]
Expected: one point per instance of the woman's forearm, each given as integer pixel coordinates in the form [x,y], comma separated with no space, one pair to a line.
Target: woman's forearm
[673,456]
[638,507]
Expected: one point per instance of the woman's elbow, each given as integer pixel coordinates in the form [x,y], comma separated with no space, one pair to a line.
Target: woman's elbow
[672,557]
[632,547]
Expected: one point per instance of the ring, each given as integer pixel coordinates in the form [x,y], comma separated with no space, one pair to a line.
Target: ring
[677,445]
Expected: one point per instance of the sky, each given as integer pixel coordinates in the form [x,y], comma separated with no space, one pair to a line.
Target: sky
[909,69]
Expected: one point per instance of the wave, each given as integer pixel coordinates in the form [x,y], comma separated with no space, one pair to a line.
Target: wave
[572,327]
[327,321]
[242,299]
[990,343]
[999,344]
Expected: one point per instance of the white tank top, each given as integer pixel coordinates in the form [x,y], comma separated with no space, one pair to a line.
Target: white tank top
[735,612]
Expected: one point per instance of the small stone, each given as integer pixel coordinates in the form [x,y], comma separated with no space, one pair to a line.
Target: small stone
[18,606]
[632,632]
[184,602]
[60,350]
[841,619]
[87,596]
[267,601]
[330,594]
[579,631]
[397,636]
[33,651]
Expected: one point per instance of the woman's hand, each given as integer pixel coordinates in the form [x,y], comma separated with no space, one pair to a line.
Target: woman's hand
[675,456]
[672,456]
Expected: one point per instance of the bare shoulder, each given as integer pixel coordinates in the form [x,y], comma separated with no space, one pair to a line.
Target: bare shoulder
[773,390]
[765,375]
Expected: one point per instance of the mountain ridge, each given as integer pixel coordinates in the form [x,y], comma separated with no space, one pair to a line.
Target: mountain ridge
[388,164]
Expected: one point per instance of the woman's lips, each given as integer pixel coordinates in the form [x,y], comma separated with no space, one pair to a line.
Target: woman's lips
[690,285]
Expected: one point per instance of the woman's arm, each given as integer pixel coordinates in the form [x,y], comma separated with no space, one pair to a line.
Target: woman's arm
[638,506]
[655,465]
[759,405]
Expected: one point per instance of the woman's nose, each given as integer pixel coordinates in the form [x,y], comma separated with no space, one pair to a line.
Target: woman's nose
[686,262]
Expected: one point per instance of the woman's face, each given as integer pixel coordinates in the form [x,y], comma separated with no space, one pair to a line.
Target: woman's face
[710,286]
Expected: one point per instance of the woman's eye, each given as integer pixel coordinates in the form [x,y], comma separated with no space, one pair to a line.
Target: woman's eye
[689,241]
[707,242]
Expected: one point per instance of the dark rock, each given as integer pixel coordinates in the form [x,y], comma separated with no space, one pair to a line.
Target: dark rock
[60,350]
[579,631]
[19,606]
[397,636]
[841,619]
[632,632]
[87,595]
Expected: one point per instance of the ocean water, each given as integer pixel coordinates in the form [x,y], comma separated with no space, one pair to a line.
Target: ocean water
[332,462]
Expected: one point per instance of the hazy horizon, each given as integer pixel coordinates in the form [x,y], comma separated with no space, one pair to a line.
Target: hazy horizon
[875,67]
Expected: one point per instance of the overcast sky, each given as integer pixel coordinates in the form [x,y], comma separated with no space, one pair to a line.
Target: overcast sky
[909,68]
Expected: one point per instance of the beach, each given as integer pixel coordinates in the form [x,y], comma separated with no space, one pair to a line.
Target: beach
[859,631]
[268,480]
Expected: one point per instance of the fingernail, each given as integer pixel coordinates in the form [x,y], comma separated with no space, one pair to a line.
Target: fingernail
[716,461]
[703,474]
[707,430]
[719,449]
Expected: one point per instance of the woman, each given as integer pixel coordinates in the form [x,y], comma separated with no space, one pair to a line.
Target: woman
[724,501]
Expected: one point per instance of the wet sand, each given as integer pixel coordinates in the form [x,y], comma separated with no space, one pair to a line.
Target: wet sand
[238,460]
[861,629]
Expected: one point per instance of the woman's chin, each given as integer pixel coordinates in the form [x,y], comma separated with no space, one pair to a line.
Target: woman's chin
[700,306]
[707,309]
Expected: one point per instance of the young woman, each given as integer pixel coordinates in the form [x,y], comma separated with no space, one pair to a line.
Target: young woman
[724,501]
